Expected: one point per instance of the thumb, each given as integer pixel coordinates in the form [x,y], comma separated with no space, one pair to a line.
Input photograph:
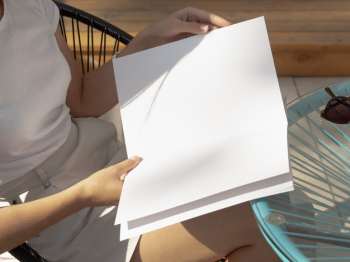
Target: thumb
[126,165]
[193,28]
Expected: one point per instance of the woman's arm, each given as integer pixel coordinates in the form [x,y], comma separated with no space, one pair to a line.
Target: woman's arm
[90,95]
[21,222]
[96,93]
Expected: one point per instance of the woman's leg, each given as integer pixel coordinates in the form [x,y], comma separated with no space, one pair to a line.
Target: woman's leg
[231,232]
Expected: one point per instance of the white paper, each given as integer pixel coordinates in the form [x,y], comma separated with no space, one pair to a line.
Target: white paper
[204,206]
[206,115]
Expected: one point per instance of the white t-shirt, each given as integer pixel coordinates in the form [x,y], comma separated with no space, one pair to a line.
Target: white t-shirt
[34,78]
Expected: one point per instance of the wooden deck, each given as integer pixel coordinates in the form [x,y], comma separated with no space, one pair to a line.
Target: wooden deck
[308,37]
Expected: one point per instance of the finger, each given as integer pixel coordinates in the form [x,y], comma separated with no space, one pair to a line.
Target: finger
[122,177]
[192,19]
[206,17]
[192,28]
[211,27]
[134,158]
[126,165]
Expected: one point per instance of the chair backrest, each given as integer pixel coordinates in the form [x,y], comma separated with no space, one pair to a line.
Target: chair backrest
[91,40]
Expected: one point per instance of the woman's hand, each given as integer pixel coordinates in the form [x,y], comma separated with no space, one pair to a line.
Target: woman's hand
[181,24]
[104,187]
[100,189]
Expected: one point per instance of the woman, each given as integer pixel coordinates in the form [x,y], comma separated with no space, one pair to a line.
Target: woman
[43,150]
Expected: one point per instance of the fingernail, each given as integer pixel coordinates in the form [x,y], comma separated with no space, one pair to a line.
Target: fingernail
[203,27]
[134,158]
[122,177]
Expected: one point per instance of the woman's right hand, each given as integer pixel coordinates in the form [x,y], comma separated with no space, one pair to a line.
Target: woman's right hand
[104,187]
[179,25]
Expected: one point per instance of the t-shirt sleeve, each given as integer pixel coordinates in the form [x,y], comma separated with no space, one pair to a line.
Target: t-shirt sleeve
[52,13]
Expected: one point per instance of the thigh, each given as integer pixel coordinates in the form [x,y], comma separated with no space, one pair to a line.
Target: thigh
[205,238]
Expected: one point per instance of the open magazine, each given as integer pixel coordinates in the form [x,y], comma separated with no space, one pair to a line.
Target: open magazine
[207,117]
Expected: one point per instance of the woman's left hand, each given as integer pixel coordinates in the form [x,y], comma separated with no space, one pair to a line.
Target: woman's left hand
[181,24]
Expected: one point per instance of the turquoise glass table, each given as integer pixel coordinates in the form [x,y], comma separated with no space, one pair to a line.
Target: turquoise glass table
[312,223]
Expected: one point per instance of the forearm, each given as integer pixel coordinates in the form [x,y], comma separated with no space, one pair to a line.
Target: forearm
[103,188]
[99,91]
[21,222]
[140,42]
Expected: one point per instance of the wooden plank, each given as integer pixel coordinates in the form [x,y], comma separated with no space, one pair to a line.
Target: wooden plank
[311,63]
[316,40]
[311,54]
[293,62]
[234,5]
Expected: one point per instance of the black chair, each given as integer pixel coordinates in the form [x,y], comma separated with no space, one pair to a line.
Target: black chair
[90,52]
[96,29]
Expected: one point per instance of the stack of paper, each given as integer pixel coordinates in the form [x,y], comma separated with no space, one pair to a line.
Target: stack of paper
[206,115]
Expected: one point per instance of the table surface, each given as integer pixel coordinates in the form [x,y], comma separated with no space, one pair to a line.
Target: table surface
[312,223]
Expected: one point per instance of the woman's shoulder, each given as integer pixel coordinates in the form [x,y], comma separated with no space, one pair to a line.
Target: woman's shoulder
[49,8]
[44,8]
